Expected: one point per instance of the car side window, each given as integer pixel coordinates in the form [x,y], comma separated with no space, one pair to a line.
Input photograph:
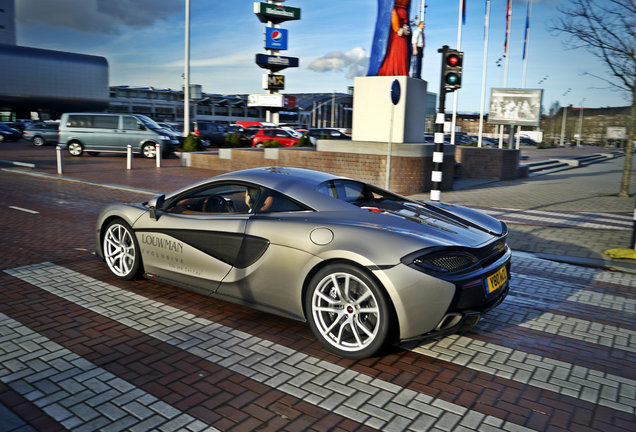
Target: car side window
[270,201]
[215,199]
[106,122]
[131,123]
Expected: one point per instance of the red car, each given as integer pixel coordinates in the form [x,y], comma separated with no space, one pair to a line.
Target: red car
[282,136]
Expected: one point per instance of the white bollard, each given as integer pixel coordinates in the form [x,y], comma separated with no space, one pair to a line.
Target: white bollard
[158,154]
[129,157]
[60,160]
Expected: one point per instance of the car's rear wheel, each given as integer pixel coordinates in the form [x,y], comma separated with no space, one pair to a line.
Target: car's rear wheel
[149,151]
[38,141]
[348,311]
[121,250]
[75,148]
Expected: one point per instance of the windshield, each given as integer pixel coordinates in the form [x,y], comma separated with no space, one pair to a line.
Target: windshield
[148,121]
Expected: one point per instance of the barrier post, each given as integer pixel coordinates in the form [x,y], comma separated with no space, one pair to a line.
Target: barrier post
[60,159]
[158,154]
[129,157]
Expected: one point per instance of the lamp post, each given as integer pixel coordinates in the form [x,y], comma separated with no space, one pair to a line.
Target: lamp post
[565,115]
[186,75]
[578,140]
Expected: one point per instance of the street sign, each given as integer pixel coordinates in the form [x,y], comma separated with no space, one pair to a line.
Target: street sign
[275,13]
[265,100]
[395,92]
[275,38]
[273,82]
[275,63]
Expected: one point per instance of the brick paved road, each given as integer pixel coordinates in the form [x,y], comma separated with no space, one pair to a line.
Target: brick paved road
[82,350]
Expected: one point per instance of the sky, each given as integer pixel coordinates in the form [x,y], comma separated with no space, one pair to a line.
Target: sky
[144,43]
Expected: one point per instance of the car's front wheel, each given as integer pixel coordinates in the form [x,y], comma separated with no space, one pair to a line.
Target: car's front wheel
[348,311]
[121,250]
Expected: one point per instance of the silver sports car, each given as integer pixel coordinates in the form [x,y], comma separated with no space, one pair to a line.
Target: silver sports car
[364,266]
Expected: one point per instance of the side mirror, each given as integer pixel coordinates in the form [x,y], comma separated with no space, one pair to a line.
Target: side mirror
[141,126]
[155,203]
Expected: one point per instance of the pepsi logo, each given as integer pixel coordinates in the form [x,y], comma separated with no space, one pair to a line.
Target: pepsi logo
[276,35]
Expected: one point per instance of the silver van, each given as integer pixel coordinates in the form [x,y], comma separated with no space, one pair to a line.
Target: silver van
[102,132]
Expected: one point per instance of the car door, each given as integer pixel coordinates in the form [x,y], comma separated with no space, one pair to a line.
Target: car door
[196,237]
[278,254]
[132,132]
[105,133]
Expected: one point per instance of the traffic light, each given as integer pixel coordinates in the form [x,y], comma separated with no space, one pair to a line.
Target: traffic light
[452,69]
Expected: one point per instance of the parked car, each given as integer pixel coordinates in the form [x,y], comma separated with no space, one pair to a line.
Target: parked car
[96,132]
[285,138]
[9,134]
[174,129]
[212,133]
[363,266]
[42,133]
[315,134]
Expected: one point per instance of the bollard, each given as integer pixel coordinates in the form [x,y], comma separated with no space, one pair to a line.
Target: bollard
[129,157]
[60,159]
[158,154]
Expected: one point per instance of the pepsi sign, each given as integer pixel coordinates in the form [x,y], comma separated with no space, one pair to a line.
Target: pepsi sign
[275,38]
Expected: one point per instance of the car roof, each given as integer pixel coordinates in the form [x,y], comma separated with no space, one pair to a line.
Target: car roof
[297,183]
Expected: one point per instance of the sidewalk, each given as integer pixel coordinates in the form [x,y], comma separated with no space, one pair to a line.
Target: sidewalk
[587,193]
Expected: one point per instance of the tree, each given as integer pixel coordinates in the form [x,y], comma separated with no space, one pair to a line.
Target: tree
[607,30]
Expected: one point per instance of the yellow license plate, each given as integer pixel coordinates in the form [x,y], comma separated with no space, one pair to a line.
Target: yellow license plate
[495,281]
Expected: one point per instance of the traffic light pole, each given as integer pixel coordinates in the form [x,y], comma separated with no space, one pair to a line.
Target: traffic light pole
[438,153]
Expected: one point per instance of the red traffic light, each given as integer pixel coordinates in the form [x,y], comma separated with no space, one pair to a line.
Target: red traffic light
[453,60]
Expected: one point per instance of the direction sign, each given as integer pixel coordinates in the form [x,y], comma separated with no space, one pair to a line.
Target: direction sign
[273,82]
[275,13]
[275,63]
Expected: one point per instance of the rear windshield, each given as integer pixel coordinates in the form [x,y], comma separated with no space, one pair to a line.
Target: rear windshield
[359,194]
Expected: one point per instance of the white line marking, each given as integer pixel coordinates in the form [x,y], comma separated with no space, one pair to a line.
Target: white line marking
[24,210]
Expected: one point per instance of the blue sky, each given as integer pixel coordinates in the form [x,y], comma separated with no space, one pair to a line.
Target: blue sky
[143,41]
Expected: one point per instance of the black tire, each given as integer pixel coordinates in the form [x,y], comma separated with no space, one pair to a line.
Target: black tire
[38,141]
[149,151]
[354,324]
[121,250]
[75,148]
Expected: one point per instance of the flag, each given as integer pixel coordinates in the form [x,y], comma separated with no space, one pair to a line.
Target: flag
[508,12]
[463,12]
[525,35]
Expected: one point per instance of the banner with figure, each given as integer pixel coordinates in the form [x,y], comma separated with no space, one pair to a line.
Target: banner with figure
[391,48]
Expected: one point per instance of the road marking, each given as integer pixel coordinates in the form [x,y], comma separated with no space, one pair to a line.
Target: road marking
[542,372]
[23,367]
[24,210]
[360,397]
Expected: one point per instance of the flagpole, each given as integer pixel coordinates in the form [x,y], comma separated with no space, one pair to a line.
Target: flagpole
[506,50]
[459,48]
[483,74]
[525,45]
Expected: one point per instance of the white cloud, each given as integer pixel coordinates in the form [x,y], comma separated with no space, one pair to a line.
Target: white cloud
[355,61]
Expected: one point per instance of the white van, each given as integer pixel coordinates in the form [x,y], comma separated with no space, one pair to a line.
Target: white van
[102,132]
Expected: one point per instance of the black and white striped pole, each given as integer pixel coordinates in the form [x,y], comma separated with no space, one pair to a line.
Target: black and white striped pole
[450,81]
[438,155]
[634,231]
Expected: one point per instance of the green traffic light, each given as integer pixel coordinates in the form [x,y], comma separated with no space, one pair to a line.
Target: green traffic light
[451,78]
